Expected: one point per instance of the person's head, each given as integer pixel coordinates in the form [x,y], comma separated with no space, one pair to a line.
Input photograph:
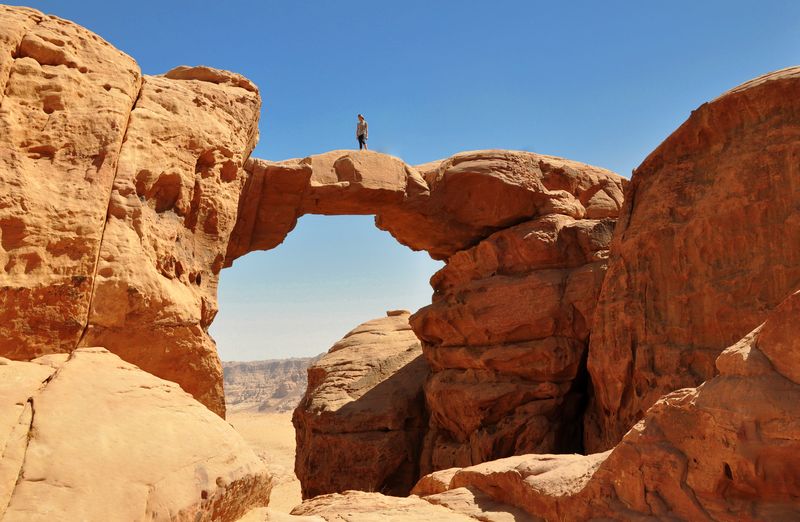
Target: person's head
[361,117]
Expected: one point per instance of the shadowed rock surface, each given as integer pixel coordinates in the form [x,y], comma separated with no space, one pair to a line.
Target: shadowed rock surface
[705,248]
[506,337]
[361,421]
[726,450]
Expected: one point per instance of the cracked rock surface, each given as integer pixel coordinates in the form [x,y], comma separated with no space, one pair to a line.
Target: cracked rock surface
[87,436]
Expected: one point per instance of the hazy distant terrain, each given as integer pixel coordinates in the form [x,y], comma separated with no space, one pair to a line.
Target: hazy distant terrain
[270,386]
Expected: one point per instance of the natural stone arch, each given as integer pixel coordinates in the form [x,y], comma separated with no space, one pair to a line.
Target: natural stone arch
[122,247]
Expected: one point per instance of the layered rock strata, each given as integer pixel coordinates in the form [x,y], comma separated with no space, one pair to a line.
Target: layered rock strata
[360,423]
[727,450]
[87,436]
[507,334]
[266,386]
[704,249]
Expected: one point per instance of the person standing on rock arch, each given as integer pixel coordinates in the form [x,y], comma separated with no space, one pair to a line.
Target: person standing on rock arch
[362,132]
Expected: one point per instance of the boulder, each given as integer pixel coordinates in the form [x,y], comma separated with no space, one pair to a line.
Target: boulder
[704,249]
[359,506]
[87,436]
[360,423]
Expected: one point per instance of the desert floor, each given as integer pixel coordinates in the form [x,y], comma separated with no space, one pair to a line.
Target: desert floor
[271,436]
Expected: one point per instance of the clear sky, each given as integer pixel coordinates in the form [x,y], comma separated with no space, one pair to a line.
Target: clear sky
[599,82]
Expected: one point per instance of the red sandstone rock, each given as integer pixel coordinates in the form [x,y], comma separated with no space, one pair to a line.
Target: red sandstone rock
[705,248]
[505,336]
[88,436]
[727,450]
[360,423]
[442,208]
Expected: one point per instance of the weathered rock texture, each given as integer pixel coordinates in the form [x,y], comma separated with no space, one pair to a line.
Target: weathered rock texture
[120,195]
[727,450]
[361,421]
[507,333]
[440,207]
[358,506]
[266,386]
[65,100]
[87,436]
[126,196]
[173,206]
[705,248]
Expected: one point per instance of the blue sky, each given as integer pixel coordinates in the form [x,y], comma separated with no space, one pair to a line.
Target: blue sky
[599,82]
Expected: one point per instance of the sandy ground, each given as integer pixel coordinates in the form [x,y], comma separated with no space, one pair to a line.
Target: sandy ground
[271,435]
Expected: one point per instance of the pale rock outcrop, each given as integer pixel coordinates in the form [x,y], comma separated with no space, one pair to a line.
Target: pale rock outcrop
[728,450]
[704,249]
[87,436]
[361,421]
[359,506]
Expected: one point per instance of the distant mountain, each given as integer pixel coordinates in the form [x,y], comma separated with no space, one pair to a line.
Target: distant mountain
[275,385]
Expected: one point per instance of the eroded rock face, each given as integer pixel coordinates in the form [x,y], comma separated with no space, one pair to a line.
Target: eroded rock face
[360,423]
[525,239]
[66,99]
[120,197]
[704,249]
[172,208]
[726,450]
[506,337]
[87,436]
[440,207]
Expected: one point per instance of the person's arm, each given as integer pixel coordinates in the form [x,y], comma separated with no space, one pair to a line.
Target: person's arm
[366,130]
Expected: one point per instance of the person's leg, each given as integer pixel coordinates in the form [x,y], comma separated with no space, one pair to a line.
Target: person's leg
[361,143]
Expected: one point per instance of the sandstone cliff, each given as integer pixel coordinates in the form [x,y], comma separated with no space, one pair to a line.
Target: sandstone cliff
[726,450]
[121,192]
[525,239]
[705,248]
[266,386]
[507,332]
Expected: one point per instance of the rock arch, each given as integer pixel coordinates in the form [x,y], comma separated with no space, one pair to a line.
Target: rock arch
[114,234]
